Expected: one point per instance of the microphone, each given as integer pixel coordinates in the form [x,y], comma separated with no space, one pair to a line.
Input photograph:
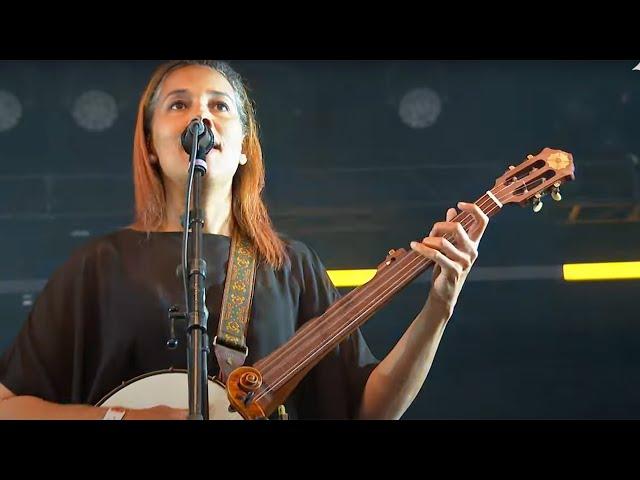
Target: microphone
[200,130]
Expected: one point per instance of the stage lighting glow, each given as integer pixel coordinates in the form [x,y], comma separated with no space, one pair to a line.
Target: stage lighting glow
[420,108]
[10,111]
[95,111]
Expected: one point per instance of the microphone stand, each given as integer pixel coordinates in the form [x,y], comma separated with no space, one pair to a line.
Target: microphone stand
[195,267]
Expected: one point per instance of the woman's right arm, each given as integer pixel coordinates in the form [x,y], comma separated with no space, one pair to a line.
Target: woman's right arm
[14,407]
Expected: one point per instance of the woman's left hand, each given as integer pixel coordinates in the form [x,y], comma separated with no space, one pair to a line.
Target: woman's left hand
[454,257]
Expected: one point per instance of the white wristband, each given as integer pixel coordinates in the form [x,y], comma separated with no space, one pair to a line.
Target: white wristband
[114,414]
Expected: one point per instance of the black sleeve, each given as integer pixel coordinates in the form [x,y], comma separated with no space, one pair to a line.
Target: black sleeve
[46,358]
[335,386]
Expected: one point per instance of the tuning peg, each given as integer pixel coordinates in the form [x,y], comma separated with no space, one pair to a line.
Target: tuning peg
[511,167]
[391,252]
[555,192]
[537,203]
[529,157]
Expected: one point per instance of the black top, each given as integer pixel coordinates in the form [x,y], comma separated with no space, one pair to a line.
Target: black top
[102,319]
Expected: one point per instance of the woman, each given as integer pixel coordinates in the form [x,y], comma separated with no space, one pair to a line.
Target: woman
[101,319]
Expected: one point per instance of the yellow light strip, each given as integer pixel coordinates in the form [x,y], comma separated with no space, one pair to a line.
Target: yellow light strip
[601,271]
[571,272]
[351,278]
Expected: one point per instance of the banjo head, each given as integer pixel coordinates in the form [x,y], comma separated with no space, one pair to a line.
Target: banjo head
[170,388]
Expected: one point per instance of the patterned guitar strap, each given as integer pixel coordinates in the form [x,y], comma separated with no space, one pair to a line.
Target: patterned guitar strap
[230,344]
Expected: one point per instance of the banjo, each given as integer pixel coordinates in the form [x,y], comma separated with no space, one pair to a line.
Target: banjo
[255,392]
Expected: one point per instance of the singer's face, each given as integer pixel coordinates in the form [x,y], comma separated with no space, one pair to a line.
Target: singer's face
[187,93]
